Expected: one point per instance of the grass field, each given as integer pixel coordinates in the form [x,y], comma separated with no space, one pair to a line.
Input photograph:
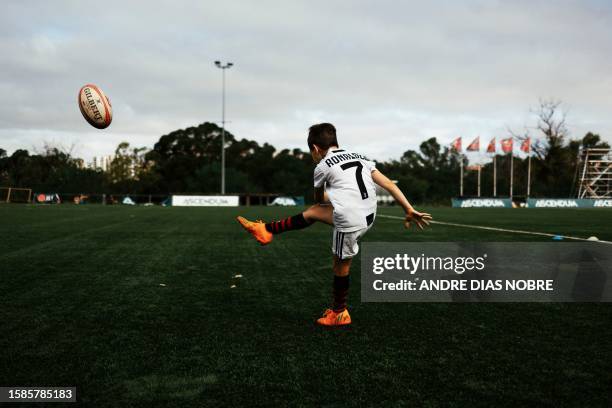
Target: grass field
[82,303]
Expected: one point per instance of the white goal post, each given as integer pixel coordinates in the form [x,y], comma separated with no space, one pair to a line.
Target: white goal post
[15,195]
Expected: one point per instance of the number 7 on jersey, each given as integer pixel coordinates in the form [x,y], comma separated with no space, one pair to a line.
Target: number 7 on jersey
[358,176]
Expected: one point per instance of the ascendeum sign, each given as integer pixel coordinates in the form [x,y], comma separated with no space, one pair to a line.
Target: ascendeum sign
[490,272]
[555,203]
[482,203]
[568,203]
[204,201]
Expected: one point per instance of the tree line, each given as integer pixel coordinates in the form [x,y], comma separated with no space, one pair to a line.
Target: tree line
[189,161]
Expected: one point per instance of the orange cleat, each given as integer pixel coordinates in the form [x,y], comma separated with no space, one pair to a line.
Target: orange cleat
[257,229]
[331,318]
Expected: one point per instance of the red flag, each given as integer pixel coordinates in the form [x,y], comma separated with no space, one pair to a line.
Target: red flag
[506,145]
[491,146]
[474,146]
[456,145]
[526,145]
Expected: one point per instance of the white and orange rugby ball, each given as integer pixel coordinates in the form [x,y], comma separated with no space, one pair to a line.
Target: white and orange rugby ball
[95,106]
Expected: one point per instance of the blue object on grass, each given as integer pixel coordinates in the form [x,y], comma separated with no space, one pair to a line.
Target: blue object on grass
[558,238]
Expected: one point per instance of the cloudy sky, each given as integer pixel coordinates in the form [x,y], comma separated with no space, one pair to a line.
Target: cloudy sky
[389,74]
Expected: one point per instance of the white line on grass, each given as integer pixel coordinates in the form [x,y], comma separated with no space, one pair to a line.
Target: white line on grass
[482,227]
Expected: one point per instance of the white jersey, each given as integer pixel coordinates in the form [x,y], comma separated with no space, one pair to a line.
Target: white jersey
[347,178]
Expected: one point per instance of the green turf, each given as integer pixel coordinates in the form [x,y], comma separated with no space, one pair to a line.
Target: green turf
[81,303]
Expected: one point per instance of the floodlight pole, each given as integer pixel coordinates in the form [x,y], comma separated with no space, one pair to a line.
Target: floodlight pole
[223,67]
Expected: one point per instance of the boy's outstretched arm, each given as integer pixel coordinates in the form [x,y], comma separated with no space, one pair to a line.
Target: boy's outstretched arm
[412,215]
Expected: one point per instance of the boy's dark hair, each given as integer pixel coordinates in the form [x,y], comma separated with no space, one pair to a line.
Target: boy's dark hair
[322,135]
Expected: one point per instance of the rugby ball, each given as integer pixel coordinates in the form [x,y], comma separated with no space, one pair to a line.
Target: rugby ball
[95,106]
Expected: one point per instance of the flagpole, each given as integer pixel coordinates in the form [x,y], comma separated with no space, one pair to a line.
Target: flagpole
[479,167]
[511,172]
[461,175]
[494,175]
[456,146]
[529,172]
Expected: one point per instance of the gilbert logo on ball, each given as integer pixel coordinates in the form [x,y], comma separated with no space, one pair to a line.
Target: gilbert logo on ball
[95,106]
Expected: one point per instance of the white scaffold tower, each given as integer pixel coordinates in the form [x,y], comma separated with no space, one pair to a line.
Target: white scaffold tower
[595,173]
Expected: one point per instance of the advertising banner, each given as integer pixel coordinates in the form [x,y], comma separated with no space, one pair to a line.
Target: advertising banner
[568,203]
[44,198]
[204,201]
[482,203]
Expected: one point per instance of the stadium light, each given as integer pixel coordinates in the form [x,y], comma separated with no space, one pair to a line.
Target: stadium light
[223,67]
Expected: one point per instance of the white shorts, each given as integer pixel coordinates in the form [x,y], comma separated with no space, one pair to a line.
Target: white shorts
[345,245]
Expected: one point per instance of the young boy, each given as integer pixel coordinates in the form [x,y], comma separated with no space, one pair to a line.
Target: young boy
[347,181]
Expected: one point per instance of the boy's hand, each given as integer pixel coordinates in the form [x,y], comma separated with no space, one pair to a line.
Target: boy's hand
[420,219]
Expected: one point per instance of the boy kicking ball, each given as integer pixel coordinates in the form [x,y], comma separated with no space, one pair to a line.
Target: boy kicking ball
[345,196]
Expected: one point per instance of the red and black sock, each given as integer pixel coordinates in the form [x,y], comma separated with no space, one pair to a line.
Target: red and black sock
[340,291]
[296,222]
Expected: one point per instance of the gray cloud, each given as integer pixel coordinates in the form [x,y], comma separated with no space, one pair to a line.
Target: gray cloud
[388,74]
